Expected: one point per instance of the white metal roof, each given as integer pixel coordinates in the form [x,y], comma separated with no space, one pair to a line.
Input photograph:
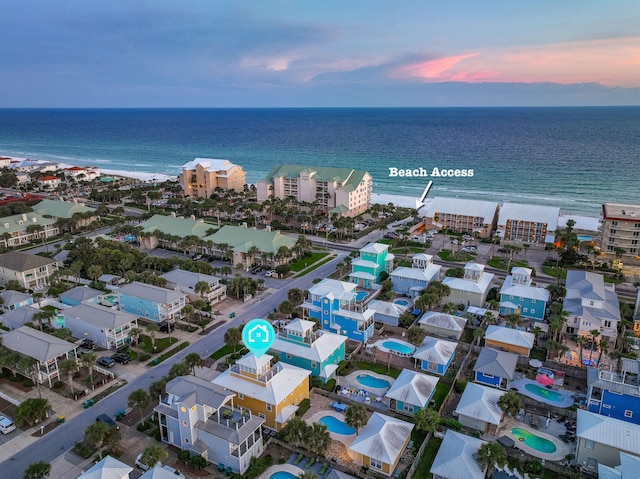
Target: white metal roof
[36,344]
[443,321]
[300,325]
[383,438]
[460,206]
[318,351]
[333,289]
[521,291]
[461,284]
[150,292]
[209,163]
[456,457]
[107,468]
[481,402]
[511,336]
[99,315]
[429,274]
[374,248]
[435,350]
[386,308]
[413,388]
[532,213]
[496,363]
[364,263]
[615,433]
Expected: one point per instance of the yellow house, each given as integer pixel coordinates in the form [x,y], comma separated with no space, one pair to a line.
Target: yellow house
[273,393]
[380,443]
[508,339]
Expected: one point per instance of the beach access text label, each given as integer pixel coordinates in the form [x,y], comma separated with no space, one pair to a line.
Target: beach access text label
[422,172]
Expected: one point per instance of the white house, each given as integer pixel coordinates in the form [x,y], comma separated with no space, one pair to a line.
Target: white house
[456,458]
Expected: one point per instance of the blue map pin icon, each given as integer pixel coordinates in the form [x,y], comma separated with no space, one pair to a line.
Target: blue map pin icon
[258,336]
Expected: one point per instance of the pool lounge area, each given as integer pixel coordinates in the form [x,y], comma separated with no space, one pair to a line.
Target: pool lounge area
[395,346]
[554,397]
[535,442]
[361,384]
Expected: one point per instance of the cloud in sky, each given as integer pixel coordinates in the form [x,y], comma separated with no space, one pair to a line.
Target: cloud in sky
[244,53]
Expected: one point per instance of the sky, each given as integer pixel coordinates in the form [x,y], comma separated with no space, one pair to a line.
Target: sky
[286,53]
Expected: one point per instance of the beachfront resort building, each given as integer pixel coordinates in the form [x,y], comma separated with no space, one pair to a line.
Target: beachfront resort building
[335,304]
[374,259]
[472,288]
[380,443]
[272,393]
[169,230]
[299,344]
[621,229]
[591,304]
[601,439]
[204,418]
[478,408]
[410,392]
[201,176]
[509,339]
[411,281]
[83,173]
[24,228]
[531,224]
[191,283]
[106,327]
[462,216]
[47,350]
[495,368]
[247,246]
[435,355]
[29,270]
[518,296]
[81,214]
[49,182]
[151,302]
[456,458]
[338,191]
[443,325]
[615,393]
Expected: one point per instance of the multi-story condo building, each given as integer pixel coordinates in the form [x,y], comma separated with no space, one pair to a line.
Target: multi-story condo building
[30,270]
[201,177]
[203,418]
[335,304]
[464,216]
[528,223]
[621,229]
[320,352]
[591,304]
[374,259]
[272,393]
[83,214]
[151,302]
[340,191]
[169,231]
[615,394]
[517,295]
[24,228]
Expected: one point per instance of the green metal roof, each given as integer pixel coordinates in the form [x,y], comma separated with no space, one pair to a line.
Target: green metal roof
[242,239]
[60,209]
[11,224]
[340,209]
[349,177]
[179,226]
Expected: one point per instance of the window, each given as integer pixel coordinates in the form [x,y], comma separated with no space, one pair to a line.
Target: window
[375,463]
[262,416]
[240,396]
[533,311]
[269,407]
[589,444]
[488,376]
[533,301]
[628,413]
[288,356]
[524,310]
[607,324]
[314,364]
[605,406]
[407,407]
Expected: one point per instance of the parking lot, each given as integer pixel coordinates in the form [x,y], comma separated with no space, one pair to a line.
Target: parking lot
[7,409]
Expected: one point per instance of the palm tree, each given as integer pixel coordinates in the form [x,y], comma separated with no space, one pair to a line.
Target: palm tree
[153,455]
[152,328]
[68,367]
[478,334]
[427,420]
[318,438]
[307,475]
[295,431]
[374,353]
[604,349]
[134,334]
[510,403]
[489,455]
[356,416]
[595,333]
[581,341]
[232,337]
[37,470]
[193,360]
[138,399]
[201,288]
[415,335]
[96,434]
[187,312]
[513,320]
[87,360]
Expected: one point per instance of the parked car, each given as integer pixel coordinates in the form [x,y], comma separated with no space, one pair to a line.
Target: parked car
[271,273]
[466,237]
[106,362]
[502,250]
[88,344]
[6,425]
[142,465]
[105,418]
[122,358]
[83,351]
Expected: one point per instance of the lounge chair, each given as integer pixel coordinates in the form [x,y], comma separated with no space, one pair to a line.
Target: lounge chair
[311,462]
[508,471]
[517,474]
[323,469]
[297,460]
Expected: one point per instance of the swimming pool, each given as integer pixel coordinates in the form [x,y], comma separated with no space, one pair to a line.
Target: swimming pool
[535,442]
[360,295]
[58,321]
[336,426]
[372,382]
[402,302]
[548,394]
[282,475]
[398,347]
[585,238]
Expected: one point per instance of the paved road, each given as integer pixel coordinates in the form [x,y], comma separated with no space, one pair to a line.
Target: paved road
[65,436]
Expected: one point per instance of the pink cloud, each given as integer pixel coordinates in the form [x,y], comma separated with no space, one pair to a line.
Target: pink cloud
[432,69]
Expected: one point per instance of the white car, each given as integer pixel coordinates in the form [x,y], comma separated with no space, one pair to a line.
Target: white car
[6,425]
[271,274]
[142,465]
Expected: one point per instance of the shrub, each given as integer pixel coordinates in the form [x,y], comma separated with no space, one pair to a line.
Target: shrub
[184,456]
[198,462]
[315,382]
[58,385]
[258,465]
[330,385]
[341,367]
[144,357]
[459,386]
[451,424]
[143,426]
[28,383]
[303,407]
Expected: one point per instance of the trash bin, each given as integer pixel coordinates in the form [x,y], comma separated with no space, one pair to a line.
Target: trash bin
[60,419]
[155,362]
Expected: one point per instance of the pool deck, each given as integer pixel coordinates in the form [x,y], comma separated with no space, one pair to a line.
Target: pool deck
[562,449]
[290,468]
[345,439]
[379,344]
[568,400]
[351,381]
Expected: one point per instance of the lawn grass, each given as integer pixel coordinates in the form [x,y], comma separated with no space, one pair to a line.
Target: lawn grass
[316,265]
[430,451]
[460,257]
[161,343]
[555,272]
[380,368]
[168,354]
[302,263]
[442,389]
[223,351]
[501,263]
[407,250]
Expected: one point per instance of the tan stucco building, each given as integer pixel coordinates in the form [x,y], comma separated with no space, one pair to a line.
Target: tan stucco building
[201,177]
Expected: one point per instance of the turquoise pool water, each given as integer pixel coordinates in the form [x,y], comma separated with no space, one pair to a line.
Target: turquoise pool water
[360,295]
[282,475]
[535,442]
[372,382]
[58,321]
[398,347]
[403,302]
[585,238]
[544,393]
[336,426]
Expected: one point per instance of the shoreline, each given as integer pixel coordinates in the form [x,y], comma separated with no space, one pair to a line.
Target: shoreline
[582,222]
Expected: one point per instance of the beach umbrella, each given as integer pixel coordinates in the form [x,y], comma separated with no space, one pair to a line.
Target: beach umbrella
[544,379]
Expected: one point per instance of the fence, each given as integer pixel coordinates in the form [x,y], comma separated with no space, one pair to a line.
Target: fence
[419,454]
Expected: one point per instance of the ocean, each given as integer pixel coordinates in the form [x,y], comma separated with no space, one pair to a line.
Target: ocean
[574,158]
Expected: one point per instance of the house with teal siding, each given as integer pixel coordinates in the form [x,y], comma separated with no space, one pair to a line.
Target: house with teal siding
[411,392]
[435,355]
[518,296]
[374,259]
[334,304]
[300,344]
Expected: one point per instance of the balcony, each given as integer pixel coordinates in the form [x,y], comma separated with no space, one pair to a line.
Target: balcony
[265,378]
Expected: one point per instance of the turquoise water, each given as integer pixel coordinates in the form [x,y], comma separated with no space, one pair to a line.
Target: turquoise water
[282,475]
[336,426]
[398,347]
[372,382]
[544,393]
[58,321]
[360,295]
[535,442]
[585,238]
[403,302]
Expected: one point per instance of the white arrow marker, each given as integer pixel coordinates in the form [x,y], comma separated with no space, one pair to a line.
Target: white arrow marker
[420,202]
